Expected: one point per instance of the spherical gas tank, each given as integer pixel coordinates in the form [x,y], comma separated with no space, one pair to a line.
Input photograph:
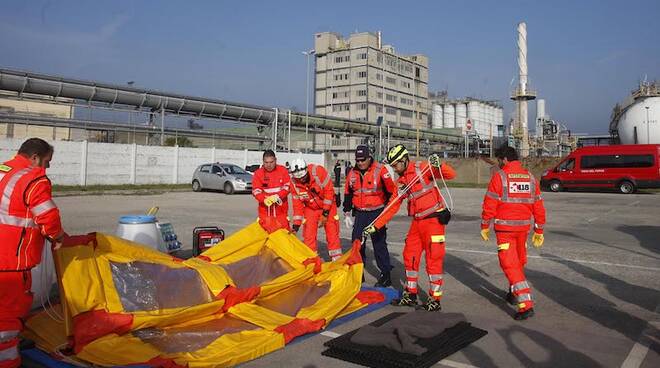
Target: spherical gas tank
[633,127]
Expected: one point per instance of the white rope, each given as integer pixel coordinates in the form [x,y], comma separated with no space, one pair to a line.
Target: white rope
[46,286]
[450,205]
[404,190]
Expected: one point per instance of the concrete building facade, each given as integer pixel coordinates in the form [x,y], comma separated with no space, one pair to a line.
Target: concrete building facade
[47,108]
[359,78]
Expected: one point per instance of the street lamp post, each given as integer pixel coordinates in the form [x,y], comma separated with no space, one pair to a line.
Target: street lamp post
[307,54]
[648,136]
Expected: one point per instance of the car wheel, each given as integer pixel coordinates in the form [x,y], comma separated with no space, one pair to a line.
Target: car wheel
[196,186]
[626,187]
[555,186]
[229,189]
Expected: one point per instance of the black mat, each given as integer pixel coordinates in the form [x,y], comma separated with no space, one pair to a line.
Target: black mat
[439,347]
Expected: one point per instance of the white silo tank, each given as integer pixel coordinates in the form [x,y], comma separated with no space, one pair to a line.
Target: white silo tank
[449,112]
[461,115]
[437,118]
[473,112]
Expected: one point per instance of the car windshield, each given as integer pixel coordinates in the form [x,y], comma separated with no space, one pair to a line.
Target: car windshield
[233,169]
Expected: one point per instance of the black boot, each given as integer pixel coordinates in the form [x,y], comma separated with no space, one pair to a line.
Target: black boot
[524,315]
[407,300]
[510,298]
[432,305]
[384,280]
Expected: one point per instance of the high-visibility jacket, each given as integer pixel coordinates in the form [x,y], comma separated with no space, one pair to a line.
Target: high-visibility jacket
[512,198]
[368,191]
[266,183]
[423,197]
[27,214]
[317,193]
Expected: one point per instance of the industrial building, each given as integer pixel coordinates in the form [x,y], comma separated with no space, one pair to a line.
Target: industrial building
[361,79]
[38,106]
[485,117]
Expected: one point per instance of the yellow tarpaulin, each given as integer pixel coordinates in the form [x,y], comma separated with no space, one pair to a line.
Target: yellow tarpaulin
[254,292]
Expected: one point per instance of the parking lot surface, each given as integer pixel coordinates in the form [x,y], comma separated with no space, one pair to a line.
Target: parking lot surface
[596,280]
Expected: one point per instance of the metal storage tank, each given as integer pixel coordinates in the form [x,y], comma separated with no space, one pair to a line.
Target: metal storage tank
[473,112]
[632,125]
[461,115]
[436,117]
[449,116]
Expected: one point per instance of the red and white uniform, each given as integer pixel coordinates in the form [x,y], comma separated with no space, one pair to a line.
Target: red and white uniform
[310,200]
[369,190]
[426,233]
[512,199]
[267,183]
[27,215]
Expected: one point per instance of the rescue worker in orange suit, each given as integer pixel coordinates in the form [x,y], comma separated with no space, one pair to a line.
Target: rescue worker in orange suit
[368,187]
[512,198]
[427,230]
[28,216]
[314,205]
[270,187]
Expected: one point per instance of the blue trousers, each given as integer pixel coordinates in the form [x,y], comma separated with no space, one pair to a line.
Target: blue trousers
[378,239]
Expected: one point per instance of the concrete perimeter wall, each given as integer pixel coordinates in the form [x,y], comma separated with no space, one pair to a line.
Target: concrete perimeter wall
[470,170]
[87,163]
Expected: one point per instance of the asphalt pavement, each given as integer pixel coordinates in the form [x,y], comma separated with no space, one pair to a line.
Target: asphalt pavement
[595,281]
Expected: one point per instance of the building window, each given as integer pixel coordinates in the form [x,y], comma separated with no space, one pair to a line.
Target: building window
[362,74]
[390,80]
[362,92]
[405,84]
[406,101]
[416,72]
[390,111]
[362,56]
[391,98]
[379,94]
[379,108]
[379,58]
[342,59]
[406,113]
[334,94]
[362,106]
[340,107]
[379,76]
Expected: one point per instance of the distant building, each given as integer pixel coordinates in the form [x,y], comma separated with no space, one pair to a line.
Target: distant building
[359,78]
[485,117]
[32,107]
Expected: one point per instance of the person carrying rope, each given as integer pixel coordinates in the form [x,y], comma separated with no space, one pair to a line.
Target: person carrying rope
[427,230]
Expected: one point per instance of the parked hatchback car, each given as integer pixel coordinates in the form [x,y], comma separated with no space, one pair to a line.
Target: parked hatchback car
[228,178]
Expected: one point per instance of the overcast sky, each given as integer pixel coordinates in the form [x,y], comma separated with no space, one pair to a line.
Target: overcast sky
[584,56]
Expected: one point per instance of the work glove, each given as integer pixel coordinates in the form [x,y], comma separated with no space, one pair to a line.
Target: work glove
[295,228]
[271,200]
[369,230]
[322,220]
[537,240]
[485,234]
[348,220]
[435,161]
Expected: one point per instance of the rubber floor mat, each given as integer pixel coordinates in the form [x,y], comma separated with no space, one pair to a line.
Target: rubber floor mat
[438,347]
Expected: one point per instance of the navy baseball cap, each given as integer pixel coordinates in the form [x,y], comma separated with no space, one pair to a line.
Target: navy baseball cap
[361,152]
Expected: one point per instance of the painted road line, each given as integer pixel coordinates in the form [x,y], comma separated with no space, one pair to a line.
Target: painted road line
[453,364]
[638,352]
[554,258]
[330,334]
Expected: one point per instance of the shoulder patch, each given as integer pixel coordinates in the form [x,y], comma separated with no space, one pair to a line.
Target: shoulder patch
[519,176]
[5,168]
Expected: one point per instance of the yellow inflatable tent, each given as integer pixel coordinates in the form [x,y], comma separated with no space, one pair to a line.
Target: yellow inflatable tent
[125,304]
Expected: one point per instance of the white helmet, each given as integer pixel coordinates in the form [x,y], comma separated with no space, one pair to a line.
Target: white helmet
[298,168]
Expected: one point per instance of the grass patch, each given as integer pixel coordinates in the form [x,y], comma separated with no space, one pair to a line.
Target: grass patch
[127,187]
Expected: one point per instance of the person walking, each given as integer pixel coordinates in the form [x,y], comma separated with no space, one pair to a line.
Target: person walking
[513,197]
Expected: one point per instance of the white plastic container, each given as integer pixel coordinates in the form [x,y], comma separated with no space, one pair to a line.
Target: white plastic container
[141,229]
